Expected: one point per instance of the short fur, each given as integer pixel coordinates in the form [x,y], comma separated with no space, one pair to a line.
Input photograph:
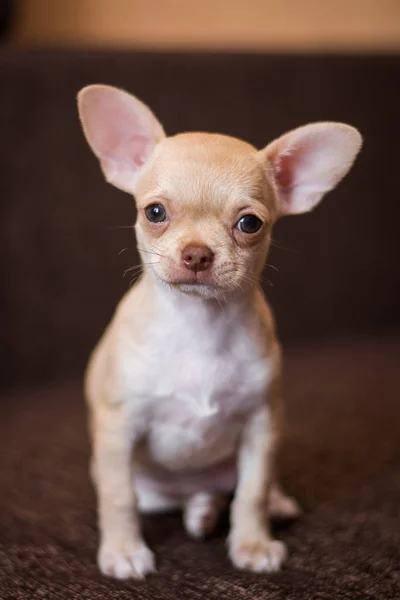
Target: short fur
[184,388]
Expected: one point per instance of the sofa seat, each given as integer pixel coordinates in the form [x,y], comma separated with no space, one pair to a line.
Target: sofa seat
[341,459]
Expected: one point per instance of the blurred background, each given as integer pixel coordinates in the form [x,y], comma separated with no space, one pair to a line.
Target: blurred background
[252,69]
[262,25]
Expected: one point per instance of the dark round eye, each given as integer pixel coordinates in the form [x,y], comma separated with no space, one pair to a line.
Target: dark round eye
[156,213]
[249,224]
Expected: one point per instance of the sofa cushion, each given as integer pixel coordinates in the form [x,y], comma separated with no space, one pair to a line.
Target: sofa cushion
[341,460]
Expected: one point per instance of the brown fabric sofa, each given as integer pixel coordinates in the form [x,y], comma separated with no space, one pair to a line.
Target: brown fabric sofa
[336,298]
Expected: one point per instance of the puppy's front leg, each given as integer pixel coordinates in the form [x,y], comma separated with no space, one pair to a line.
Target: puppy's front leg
[122,552]
[250,543]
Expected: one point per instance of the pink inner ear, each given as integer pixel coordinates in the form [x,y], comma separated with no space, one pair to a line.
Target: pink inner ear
[134,150]
[121,130]
[140,158]
[286,165]
[117,127]
[309,161]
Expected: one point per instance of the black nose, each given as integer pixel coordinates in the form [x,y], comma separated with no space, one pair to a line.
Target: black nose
[197,258]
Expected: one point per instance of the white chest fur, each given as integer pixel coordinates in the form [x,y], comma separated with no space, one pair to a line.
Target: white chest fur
[197,377]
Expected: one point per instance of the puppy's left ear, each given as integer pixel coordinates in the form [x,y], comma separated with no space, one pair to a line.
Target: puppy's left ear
[308,162]
[121,131]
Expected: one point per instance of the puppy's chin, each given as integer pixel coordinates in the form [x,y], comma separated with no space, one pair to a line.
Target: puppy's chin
[203,285]
[201,289]
[198,289]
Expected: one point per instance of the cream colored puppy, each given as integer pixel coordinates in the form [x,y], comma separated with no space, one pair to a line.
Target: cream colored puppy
[184,387]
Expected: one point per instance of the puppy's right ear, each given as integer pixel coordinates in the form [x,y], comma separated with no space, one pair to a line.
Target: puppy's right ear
[308,162]
[121,131]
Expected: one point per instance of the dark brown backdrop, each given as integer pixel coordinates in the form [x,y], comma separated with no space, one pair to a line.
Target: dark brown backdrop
[60,267]
[336,298]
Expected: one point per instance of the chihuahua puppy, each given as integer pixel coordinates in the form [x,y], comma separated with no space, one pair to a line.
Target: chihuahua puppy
[184,388]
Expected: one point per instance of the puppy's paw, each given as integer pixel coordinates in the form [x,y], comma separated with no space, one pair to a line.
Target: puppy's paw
[258,553]
[281,506]
[131,561]
[201,515]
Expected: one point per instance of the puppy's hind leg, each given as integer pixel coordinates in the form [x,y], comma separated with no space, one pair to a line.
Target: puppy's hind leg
[201,513]
[153,502]
[281,506]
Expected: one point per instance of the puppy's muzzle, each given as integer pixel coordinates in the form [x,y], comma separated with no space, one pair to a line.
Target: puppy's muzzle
[197,258]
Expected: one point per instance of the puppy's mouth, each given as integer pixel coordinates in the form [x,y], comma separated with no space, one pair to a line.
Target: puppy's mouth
[178,277]
[196,287]
[209,282]
[190,281]
[192,284]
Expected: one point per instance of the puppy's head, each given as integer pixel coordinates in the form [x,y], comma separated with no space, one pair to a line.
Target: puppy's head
[206,203]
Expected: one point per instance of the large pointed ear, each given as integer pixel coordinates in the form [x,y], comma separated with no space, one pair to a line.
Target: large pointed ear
[121,131]
[310,161]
